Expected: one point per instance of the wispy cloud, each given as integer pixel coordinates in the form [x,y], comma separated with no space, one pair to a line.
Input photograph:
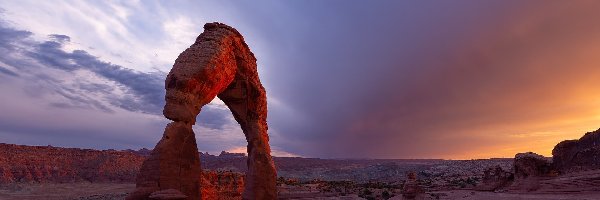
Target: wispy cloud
[77,85]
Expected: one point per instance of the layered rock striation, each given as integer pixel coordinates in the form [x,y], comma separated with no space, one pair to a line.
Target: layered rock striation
[219,64]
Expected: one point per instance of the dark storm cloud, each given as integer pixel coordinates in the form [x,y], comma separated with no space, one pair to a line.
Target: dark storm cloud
[417,79]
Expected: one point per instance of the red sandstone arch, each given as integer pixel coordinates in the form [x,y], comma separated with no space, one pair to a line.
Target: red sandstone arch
[219,64]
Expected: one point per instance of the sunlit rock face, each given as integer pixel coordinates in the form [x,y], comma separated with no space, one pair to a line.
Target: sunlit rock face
[222,185]
[577,155]
[219,64]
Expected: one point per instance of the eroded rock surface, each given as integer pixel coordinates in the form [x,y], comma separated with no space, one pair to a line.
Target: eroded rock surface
[173,164]
[222,185]
[495,178]
[41,164]
[531,165]
[577,155]
[411,188]
[219,64]
[530,169]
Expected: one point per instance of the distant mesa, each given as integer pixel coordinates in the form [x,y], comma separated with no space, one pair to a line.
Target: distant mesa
[231,155]
[218,64]
[41,164]
[141,152]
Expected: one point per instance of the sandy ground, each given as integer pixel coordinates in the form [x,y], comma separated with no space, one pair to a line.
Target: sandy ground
[66,191]
[474,195]
[110,191]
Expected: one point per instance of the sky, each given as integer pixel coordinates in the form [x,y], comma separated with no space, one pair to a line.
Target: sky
[344,79]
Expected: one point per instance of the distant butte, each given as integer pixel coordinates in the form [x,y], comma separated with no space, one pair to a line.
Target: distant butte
[219,64]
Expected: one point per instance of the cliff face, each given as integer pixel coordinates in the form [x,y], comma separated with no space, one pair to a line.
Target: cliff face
[19,163]
[576,155]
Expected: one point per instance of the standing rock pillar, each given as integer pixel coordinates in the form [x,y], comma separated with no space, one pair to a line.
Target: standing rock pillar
[219,64]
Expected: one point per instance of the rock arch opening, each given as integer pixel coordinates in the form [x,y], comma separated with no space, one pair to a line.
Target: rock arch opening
[218,64]
[216,131]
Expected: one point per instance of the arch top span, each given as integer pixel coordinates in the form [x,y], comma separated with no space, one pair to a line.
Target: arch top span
[206,69]
[219,63]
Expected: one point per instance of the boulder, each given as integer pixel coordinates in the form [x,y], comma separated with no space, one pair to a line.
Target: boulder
[530,169]
[531,165]
[411,188]
[495,178]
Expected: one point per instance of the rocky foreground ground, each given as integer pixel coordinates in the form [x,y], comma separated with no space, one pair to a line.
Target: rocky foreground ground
[111,191]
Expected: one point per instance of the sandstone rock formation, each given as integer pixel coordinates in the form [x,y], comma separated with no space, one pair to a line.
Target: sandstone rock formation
[530,168]
[219,64]
[577,155]
[39,164]
[222,185]
[495,178]
[531,165]
[411,188]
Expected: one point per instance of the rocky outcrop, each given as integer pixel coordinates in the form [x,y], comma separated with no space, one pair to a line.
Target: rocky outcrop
[219,64]
[411,188]
[20,163]
[495,178]
[530,168]
[531,165]
[173,164]
[577,155]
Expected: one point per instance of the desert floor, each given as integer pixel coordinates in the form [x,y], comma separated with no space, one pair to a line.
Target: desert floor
[55,191]
[472,195]
[106,191]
